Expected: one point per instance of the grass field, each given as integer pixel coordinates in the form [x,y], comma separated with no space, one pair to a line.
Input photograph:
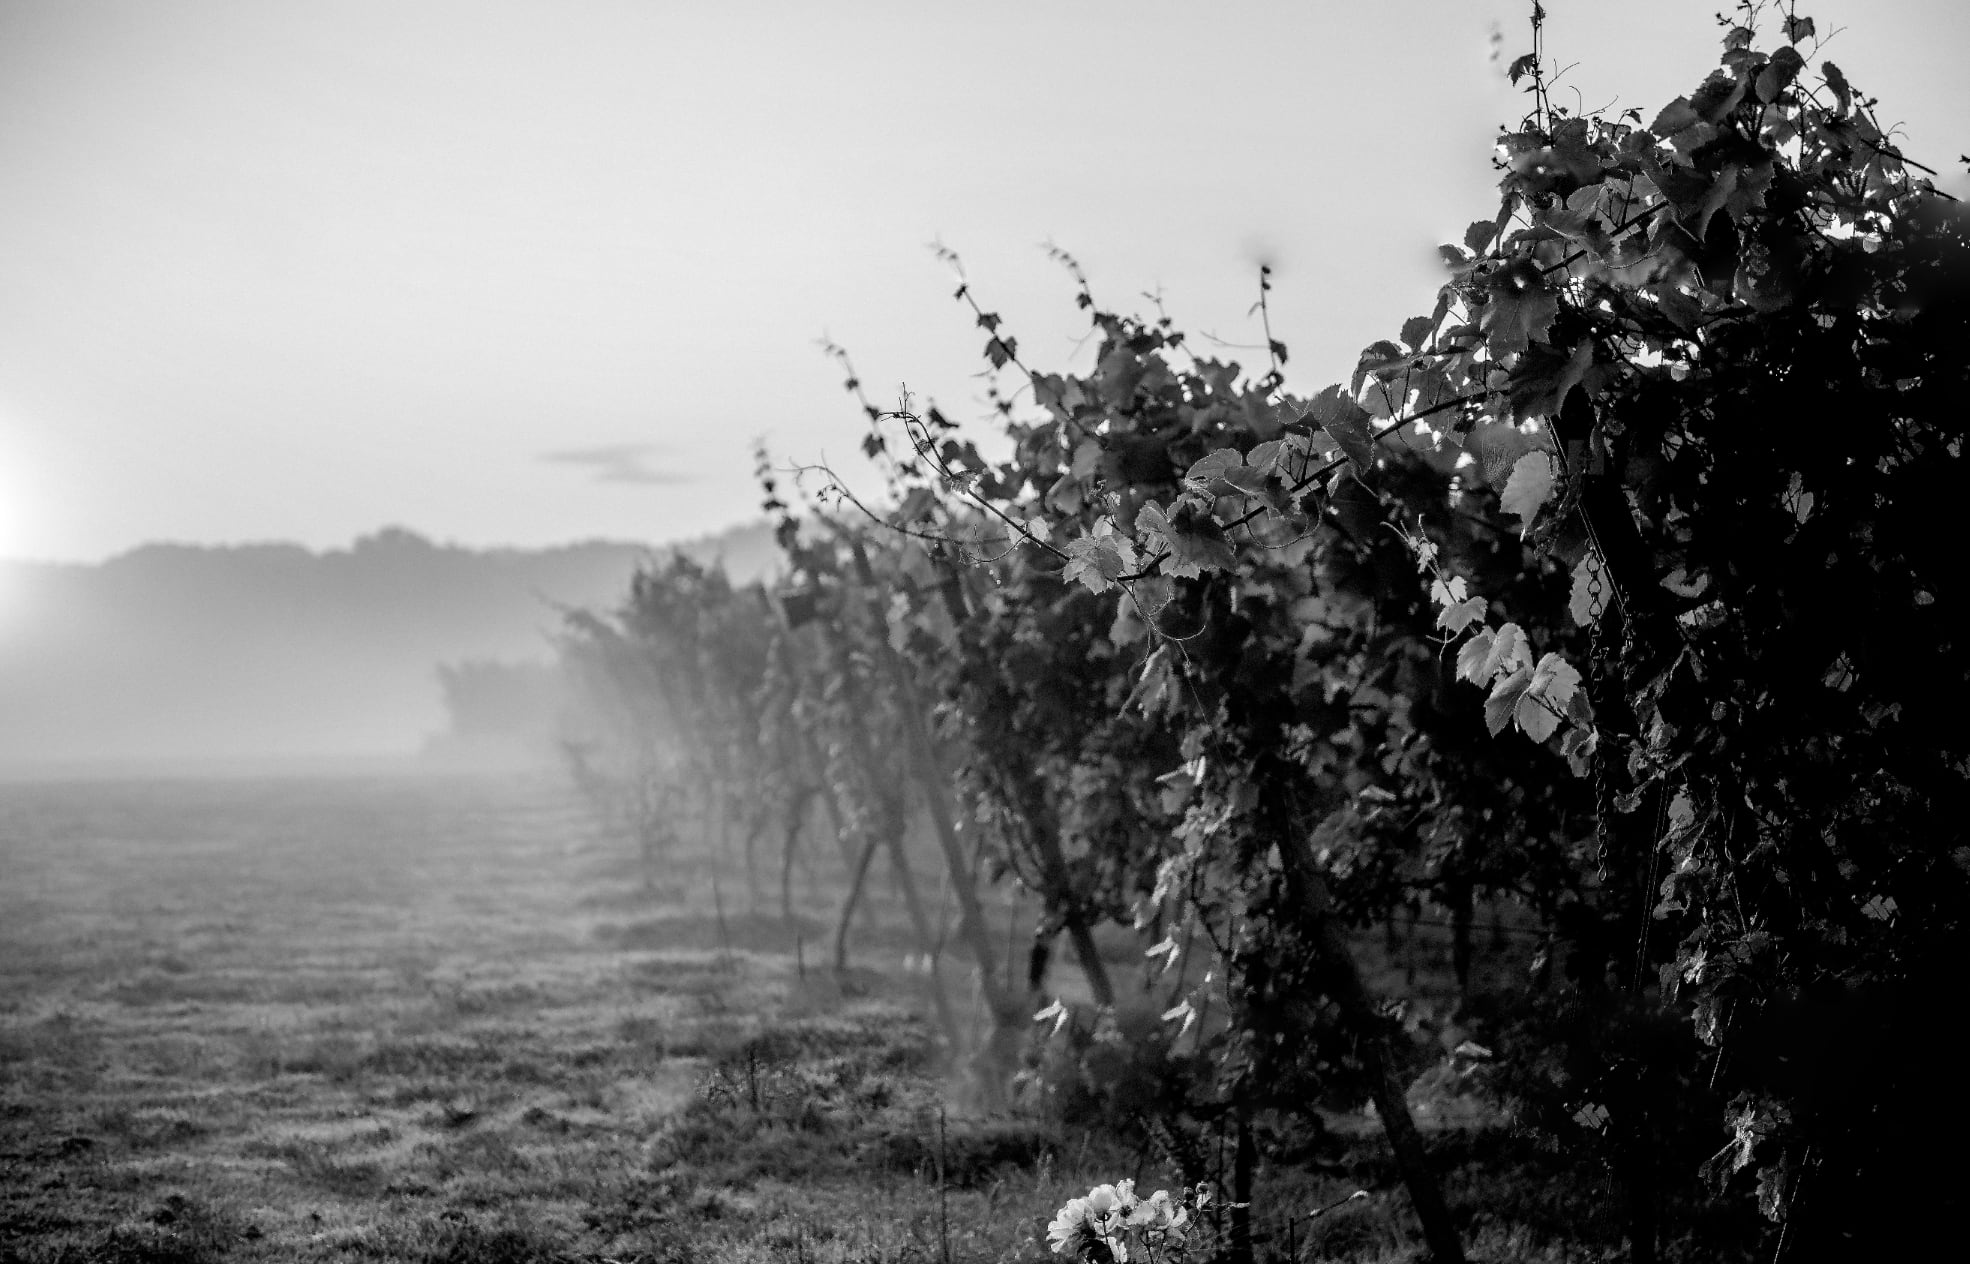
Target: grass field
[448,1021]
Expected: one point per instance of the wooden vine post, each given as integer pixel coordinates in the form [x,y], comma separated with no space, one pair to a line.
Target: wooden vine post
[1309,890]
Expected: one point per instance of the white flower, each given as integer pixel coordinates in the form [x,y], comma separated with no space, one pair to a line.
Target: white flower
[1105,1210]
[1117,1218]
[1067,1224]
[1107,1213]
[1159,1218]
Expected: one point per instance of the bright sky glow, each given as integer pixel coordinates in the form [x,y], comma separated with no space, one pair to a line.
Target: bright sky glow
[522,273]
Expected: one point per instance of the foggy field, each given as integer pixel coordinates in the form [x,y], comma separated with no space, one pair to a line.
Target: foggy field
[445,1020]
[395,1019]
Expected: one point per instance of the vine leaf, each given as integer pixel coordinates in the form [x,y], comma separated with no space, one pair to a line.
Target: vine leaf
[1379,358]
[1674,117]
[1519,309]
[1266,456]
[1459,609]
[1779,73]
[1455,618]
[1497,446]
[1184,1010]
[1773,1183]
[1246,480]
[1836,82]
[1065,496]
[1578,746]
[1347,421]
[1529,488]
[1533,698]
[1509,651]
[1199,545]
[1471,658]
[1489,655]
[1196,544]
[1544,376]
[1504,700]
[1548,697]
[1097,561]
[1156,690]
[1208,474]
[1575,372]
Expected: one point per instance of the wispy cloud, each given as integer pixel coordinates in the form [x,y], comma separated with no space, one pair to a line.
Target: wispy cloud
[617,463]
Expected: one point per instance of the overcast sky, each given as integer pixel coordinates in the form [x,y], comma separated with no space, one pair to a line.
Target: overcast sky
[522,273]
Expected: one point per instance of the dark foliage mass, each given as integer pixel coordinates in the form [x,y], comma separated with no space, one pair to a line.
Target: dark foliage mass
[1611,589]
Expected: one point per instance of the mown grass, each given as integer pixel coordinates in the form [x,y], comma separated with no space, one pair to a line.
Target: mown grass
[443,1021]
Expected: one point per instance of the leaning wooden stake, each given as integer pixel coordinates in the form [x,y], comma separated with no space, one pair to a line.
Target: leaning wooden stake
[947,1017]
[856,877]
[1043,836]
[1009,1014]
[888,834]
[1309,889]
[793,813]
[724,935]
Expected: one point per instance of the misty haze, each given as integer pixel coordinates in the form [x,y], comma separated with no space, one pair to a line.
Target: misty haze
[177,657]
[872,632]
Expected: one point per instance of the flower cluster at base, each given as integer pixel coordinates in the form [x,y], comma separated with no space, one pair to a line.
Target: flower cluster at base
[1112,1219]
